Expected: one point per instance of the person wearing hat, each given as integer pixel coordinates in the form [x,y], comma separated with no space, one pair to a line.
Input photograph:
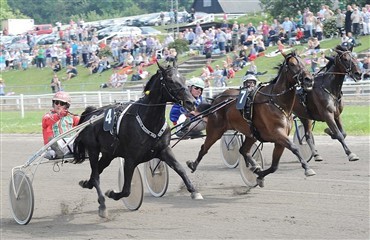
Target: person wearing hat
[179,116]
[57,121]
[250,81]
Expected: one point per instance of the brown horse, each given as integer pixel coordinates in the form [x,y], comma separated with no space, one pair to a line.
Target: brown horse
[271,121]
[324,103]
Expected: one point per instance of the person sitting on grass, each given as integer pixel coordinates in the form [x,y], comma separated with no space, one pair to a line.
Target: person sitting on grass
[71,72]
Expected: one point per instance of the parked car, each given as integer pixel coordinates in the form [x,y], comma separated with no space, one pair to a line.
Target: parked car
[42,29]
[47,39]
[24,47]
[149,31]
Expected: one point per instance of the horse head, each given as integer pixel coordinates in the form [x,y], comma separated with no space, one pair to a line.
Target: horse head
[347,63]
[299,73]
[173,87]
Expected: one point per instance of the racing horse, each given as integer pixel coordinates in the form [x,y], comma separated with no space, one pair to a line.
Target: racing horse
[271,120]
[324,103]
[141,135]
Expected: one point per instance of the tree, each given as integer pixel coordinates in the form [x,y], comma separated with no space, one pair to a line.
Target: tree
[6,12]
[289,8]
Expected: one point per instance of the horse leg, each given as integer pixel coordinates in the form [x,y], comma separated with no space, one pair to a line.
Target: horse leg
[244,151]
[211,138]
[168,156]
[307,124]
[94,181]
[128,169]
[335,133]
[278,151]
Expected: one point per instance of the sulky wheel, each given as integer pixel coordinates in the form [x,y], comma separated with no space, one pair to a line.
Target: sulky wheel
[156,177]
[21,197]
[249,178]
[229,145]
[135,199]
[300,140]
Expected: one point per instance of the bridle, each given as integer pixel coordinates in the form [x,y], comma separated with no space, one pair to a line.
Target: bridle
[298,78]
[173,93]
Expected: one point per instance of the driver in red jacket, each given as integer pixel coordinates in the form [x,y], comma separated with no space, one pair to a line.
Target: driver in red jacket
[58,120]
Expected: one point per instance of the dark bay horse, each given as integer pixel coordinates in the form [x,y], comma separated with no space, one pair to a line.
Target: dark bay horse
[324,103]
[271,121]
[143,134]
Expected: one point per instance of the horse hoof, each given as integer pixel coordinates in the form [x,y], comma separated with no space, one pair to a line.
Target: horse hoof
[103,213]
[310,172]
[190,165]
[261,182]
[85,184]
[318,158]
[109,193]
[353,157]
[196,196]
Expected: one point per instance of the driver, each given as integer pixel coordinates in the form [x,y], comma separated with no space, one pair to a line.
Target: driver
[57,121]
[250,81]
[179,116]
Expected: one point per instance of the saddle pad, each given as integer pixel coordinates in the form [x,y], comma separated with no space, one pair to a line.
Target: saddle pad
[242,98]
[109,119]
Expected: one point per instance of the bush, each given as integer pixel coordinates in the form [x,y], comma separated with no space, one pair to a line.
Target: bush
[180,45]
[329,28]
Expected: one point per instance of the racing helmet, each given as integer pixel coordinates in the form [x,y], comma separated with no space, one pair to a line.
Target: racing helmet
[196,82]
[63,97]
[250,77]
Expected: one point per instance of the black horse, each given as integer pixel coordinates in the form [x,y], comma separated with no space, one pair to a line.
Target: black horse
[140,136]
[325,103]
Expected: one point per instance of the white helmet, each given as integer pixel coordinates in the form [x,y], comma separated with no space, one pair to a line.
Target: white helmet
[197,82]
[250,77]
[62,96]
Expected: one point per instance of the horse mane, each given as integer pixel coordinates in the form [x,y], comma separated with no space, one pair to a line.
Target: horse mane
[280,66]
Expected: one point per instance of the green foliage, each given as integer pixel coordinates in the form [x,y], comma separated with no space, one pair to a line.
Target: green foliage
[329,27]
[180,45]
[289,8]
[51,11]
[105,52]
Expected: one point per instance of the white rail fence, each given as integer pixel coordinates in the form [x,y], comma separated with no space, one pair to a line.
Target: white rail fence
[356,91]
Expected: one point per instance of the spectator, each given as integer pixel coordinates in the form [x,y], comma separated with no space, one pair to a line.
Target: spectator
[2,87]
[116,80]
[221,40]
[288,28]
[314,62]
[366,69]
[71,72]
[172,57]
[348,20]
[356,19]
[365,15]
[55,84]
[322,61]
[310,23]
[339,21]
[319,30]
[56,66]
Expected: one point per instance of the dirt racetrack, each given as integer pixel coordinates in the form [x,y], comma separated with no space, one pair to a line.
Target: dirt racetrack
[334,204]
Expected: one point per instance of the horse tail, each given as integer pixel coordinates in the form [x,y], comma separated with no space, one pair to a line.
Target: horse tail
[79,150]
[79,153]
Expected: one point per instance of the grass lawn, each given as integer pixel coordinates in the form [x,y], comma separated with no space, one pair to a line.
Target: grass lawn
[355,119]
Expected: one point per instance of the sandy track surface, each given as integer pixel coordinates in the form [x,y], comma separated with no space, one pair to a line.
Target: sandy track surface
[334,204]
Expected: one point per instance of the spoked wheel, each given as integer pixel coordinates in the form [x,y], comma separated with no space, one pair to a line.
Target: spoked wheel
[21,197]
[156,177]
[300,140]
[229,145]
[135,199]
[249,178]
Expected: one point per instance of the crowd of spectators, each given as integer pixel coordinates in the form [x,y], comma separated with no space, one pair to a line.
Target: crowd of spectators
[241,44]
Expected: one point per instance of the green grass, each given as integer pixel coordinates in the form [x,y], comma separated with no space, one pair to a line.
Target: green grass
[355,120]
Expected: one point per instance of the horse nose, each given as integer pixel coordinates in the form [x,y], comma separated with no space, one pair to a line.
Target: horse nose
[190,105]
[308,83]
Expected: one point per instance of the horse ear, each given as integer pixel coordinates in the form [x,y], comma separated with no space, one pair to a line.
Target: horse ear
[282,53]
[159,66]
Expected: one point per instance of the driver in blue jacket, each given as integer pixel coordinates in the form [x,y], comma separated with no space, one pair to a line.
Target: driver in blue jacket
[179,116]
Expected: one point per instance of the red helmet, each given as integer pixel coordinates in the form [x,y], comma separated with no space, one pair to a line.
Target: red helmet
[62,96]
